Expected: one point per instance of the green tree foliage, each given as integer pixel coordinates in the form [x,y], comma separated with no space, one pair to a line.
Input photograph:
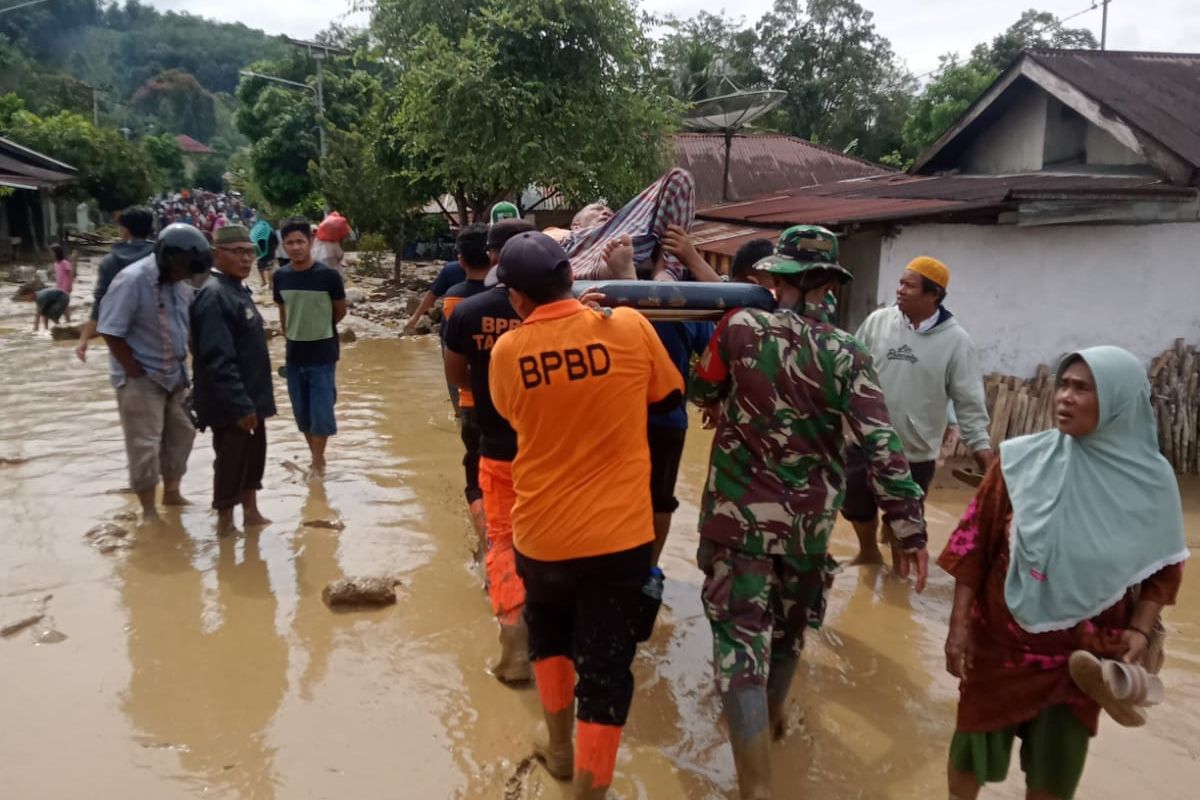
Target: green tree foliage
[164,152]
[210,174]
[282,121]
[956,85]
[497,95]
[115,172]
[180,104]
[845,86]
[944,100]
[1034,29]
[696,54]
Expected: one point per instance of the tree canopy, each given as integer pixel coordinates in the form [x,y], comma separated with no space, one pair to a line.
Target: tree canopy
[493,97]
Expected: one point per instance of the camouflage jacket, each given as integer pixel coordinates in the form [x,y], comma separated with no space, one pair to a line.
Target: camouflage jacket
[785,383]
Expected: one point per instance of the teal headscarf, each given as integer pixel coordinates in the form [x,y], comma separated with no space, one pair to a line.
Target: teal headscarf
[1095,515]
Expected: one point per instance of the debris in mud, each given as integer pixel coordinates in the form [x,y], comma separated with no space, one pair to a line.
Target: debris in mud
[18,625]
[126,516]
[62,333]
[347,335]
[12,462]
[108,537]
[326,524]
[30,613]
[350,592]
[355,297]
[122,490]
[515,788]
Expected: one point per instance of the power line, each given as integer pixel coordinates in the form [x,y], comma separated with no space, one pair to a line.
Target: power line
[22,5]
[1057,23]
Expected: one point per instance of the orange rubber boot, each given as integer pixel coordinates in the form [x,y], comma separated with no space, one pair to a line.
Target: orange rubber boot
[552,744]
[595,758]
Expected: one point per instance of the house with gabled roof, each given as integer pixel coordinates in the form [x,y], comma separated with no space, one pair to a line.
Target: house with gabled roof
[1065,201]
[28,212]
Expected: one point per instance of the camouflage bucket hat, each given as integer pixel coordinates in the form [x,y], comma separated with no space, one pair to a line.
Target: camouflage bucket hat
[803,248]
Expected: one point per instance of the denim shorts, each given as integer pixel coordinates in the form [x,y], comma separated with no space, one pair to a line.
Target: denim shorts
[313,391]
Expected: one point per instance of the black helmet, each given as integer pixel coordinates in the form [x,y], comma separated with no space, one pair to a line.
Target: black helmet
[180,240]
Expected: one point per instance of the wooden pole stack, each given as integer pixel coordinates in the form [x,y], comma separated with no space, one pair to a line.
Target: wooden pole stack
[1018,407]
[1174,379]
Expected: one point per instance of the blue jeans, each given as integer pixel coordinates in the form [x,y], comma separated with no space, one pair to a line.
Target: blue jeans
[313,392]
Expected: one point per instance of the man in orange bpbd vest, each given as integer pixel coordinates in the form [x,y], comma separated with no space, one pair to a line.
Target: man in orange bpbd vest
[577,386]
[470,333]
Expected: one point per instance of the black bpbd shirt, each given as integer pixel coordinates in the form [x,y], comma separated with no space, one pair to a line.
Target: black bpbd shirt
[472,331]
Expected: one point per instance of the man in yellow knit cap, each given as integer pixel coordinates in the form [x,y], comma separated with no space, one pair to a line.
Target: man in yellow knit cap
[925,360]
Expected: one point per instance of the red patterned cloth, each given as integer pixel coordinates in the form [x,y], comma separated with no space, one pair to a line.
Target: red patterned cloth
[1016,674]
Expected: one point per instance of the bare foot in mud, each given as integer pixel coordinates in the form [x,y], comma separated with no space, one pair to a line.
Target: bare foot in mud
[255,520]
[225,526]
[866,559]
[172,497]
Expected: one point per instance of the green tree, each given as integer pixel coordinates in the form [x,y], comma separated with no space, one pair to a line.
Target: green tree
[375,198]
[282,122]
[845,86]
[180,104]
[697,53]
[1034,29]
[209,174]
[113,171]
[944,100]
[495,96]
[164,152]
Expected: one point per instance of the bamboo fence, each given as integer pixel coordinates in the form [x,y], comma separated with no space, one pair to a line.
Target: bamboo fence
[1018,407]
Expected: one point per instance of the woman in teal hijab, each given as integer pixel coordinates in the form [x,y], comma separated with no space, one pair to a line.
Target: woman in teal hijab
[1074,541]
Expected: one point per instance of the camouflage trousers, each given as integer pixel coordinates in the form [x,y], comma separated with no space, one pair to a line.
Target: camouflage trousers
[759,607]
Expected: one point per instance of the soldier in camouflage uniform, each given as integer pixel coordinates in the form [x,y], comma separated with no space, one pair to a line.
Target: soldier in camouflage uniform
[785,382]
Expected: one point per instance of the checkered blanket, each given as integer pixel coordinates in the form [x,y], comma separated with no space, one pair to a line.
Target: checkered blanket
[671,200]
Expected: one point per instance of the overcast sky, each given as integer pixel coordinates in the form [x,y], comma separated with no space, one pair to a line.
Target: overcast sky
[920,30]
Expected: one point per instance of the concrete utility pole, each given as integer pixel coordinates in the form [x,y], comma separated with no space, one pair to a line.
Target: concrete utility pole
[318,52]
[1104,24]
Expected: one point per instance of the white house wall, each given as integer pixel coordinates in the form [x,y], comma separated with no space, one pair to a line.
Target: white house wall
[1028,295]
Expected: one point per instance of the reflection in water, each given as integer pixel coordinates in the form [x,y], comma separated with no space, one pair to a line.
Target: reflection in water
[194,687]
[315,551]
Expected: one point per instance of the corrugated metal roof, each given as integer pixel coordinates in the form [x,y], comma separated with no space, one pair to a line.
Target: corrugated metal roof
[726,238]
[26,157]
[22,172]
[761,163]
[189,145]
[897,197]
[1158,93]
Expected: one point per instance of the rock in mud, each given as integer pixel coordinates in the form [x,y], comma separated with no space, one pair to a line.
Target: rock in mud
[50,636]
[424,325]
[61,333]
[108,537]
[12,462]
[358,592]
[355,297]
[347,335]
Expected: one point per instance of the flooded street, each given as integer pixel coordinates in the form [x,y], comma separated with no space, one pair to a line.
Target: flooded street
[202,667]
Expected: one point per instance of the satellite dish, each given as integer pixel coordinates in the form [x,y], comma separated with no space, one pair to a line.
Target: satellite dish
[729,113]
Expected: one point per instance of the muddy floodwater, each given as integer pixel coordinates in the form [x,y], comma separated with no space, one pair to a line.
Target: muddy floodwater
[181,665]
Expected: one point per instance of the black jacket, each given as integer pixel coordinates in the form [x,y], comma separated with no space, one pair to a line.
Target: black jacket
[123,254]
[230,363]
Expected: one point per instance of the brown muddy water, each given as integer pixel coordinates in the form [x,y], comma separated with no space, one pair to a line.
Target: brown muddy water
[194,666]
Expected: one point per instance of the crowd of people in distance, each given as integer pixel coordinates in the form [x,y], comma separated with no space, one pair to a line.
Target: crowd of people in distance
[573,419]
